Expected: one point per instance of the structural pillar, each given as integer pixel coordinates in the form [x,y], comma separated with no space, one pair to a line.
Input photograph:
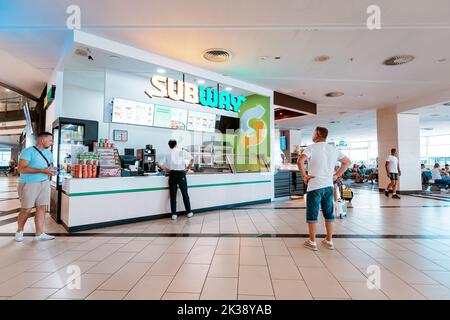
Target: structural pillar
[400,131]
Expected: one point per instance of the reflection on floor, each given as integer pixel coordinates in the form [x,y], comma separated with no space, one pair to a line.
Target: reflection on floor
[407,241]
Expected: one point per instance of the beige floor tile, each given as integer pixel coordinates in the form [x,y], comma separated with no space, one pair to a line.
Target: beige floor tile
[275,248]
[305,258]
[134,246]
[122,240]
[189,279]
[228,246]
[90,244]
[360,291]
[201,254]
[149,288]
[34,294]
[60,279]
[418,262]
[17,268]
[251,242]
[180,296]
[182,245]
[207,241]
[405,272]
[164,240]
[396,289]
[224,266]
[343,270]
[433,292]
[291,290]
[126,277]
[17,284]
[151,253]
[107,295]
[167,265]
[283,268]
[220,289]
[112,263]
[101,252]
[252,256]
[250,297]
[441,277]
[88,283]
[322,284]
[293,242]
[254,280]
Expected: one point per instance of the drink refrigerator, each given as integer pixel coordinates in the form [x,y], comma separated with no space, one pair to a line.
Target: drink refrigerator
[70,137]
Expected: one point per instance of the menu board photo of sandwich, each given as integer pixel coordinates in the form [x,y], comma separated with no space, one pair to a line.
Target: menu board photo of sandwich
[201,121]
[132,112]
[168,117]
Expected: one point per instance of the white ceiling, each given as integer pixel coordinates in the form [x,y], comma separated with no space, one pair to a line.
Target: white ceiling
[33,34]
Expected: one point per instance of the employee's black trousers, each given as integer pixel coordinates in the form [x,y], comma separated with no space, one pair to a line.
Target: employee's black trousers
[178,179]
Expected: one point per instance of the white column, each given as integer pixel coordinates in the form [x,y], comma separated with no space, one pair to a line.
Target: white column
[400,131]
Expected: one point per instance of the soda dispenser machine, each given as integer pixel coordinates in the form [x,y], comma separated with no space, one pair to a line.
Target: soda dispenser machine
[147,158]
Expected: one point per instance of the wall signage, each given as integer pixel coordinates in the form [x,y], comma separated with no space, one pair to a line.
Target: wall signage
[179,90]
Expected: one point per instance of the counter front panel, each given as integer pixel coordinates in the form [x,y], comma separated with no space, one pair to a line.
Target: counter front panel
[90,203]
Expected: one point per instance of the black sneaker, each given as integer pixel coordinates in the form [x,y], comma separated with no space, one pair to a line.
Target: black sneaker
[395,196]
[386,193]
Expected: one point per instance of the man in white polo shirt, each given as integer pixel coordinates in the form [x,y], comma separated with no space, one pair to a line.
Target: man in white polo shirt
[175,164]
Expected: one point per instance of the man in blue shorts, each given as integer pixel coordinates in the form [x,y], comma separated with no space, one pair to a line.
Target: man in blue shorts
[322,158]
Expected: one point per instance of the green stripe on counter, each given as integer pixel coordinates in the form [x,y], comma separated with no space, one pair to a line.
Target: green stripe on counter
[160,188]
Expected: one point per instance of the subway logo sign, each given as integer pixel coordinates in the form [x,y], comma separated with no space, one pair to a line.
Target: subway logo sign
[179,90]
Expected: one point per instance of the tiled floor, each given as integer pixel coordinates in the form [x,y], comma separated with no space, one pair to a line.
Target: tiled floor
[405,242]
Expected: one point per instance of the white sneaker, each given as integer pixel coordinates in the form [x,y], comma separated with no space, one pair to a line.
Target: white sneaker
[190,214]
[174,217]
[310,245]
[43,237]
[19,236]
[328,244]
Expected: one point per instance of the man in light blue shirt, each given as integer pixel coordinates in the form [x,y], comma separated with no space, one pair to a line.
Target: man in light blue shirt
[35,168]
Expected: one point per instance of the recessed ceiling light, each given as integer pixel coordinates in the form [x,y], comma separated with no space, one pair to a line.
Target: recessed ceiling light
[201,81]
[397,60]
[161,71]
[114,57]
[360,95]
[443,60]
[334,94]
[447,104]
[217,55]
[434,115]
[277,58]
[342,112]
[7,90]
[426,129]
[228,88]
[335,122]
[322,58]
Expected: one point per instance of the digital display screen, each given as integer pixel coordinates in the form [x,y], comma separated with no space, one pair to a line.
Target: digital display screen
[201,121]
[132,112]
[168,117]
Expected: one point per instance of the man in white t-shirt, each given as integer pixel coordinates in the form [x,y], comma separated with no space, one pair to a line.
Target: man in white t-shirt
[393,173]
[322,158]
[175,164]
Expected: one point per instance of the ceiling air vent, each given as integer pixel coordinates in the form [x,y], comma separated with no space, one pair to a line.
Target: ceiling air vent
[397,60]
[334,94]
[217,55]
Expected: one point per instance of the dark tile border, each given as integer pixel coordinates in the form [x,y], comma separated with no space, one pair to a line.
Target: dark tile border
[235,235]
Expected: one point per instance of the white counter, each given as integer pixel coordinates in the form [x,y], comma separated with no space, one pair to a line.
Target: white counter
[92,203]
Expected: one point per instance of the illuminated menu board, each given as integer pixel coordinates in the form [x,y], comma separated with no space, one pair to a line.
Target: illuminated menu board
[200,121]
[168,117]
[132,112]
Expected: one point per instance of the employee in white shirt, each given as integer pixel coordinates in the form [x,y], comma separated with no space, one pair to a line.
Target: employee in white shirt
[393,172]
[175,164]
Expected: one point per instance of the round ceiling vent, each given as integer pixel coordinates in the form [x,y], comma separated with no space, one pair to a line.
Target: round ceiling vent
[397,60]
[322,58]
[217,55]
[82,52]
[334,94]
